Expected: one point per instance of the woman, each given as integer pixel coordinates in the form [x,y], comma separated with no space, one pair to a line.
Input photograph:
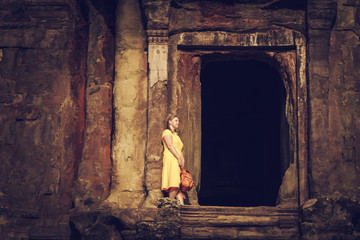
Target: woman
[173,159]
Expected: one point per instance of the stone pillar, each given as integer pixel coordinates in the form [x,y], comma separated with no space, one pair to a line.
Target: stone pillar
[302,119]
[318,48]
[157,14]
[333,48]
[130,108]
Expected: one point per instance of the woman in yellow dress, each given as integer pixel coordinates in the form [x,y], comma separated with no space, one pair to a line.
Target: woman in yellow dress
[173,159]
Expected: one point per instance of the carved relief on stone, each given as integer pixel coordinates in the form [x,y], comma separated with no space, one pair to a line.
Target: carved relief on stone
[157,13]
[157,36]
[157,56]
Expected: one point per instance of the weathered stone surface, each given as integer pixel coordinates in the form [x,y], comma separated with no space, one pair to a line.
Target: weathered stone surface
[46,232]
[330,218]
[333,98]
[157,13]
[42,85]
[57,105]
[95,225]
[274,37]
[231,16]
[130,108]
[238,223]
[93,184]
[157,113]
[145,223]
[186,103]
[158,230]
[324,18]
[169,208]
[289,188]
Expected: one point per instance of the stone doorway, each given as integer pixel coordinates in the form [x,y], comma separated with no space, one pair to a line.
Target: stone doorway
[283,50]
[245,140]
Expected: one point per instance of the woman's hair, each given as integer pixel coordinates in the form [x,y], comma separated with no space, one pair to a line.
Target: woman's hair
[169,118]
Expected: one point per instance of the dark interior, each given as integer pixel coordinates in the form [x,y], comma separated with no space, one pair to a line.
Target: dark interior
[243,140]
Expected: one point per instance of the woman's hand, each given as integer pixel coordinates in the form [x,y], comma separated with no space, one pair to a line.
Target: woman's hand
[181,162]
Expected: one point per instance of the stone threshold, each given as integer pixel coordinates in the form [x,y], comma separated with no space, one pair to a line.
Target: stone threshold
[211,222]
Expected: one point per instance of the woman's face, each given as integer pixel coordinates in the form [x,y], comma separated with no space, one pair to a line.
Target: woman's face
[174,123]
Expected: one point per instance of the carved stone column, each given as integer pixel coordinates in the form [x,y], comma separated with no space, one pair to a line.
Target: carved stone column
[157,36]
[157,13]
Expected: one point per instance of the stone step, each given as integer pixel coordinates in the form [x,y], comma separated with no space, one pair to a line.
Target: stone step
[204,222]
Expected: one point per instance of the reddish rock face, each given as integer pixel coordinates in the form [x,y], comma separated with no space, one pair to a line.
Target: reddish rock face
[93,179]
[76,65]
[43,78]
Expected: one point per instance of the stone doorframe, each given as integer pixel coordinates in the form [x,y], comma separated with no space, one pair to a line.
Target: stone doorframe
[284,48]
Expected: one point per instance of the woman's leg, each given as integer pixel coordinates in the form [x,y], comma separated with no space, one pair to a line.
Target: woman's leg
[173,192]
[180,198]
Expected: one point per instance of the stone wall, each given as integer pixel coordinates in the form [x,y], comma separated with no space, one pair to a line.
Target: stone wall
[56,74]
[334,97]
[83,103]
[333,33]
[42,108]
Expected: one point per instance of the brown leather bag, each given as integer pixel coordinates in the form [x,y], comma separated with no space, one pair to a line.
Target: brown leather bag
[186,180]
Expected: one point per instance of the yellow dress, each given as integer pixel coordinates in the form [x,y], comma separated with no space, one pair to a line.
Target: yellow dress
[171,169]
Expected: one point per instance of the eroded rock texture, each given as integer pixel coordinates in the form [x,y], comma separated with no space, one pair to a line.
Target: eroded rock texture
[85,86]
[130,108]
[135,223]
[94,175]
[48,77]
[330,218]
[234,16]
[333,93]
[334,127]
[42,109]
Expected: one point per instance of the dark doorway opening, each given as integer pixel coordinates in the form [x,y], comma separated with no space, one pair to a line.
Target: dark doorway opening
[244,133]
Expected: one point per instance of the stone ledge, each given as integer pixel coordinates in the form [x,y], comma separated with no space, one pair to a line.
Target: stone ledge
[140,223]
